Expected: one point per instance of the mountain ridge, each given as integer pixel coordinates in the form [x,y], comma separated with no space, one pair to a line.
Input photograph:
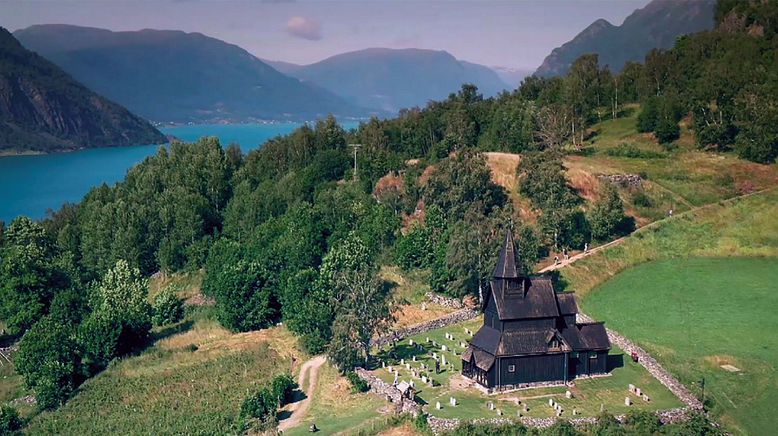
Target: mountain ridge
[177,76]
[656,25]
[44,109]
[391,79]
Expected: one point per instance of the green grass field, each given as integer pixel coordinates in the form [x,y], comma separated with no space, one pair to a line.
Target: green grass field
[590,394]
[697,314]
[745,227]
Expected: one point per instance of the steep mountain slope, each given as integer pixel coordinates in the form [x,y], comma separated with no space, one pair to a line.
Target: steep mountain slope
[391,79]
[176,76]
[657,25]
[44,109]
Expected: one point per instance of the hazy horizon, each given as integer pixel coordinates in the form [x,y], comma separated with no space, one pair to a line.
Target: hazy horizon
[518,34]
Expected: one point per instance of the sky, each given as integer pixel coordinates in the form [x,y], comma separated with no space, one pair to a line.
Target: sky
[513,34]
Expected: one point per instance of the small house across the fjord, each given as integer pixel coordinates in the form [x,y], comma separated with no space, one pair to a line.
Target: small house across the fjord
[530,334]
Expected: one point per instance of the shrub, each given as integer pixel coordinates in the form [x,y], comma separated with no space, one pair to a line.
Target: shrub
[167,308]
[640,199]
[259,410]
[283,387]
[98,339]
[10,422]
[642,422]
[632,151]
[357,384]
[647,118]
[667,130]
[48,359]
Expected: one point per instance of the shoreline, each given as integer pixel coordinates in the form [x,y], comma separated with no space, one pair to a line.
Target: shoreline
[11,153]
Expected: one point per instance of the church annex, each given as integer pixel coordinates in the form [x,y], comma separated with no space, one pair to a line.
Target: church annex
[530,333]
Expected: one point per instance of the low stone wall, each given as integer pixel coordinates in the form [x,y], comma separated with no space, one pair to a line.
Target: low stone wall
[452,318]
[624,180]
[454,303]
[651,365]
[389,393]
[441,425]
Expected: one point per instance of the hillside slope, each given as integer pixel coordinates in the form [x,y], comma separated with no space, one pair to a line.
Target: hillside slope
[655,26]
[390,79]
[43,109]
[169,75]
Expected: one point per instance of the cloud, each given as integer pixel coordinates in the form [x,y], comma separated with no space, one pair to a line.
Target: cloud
[304,28]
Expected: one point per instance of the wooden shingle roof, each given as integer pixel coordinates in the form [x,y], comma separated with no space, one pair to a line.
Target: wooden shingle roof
[508,266]
[538,301]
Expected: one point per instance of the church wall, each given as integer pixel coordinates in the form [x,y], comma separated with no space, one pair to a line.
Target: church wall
[530,324]
[531,369]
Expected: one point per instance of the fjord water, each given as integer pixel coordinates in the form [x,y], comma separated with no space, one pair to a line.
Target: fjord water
[29,185]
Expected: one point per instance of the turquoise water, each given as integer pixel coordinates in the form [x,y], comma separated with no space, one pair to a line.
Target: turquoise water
[29,185]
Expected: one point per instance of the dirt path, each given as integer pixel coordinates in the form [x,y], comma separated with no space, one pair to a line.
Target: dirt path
[594,250]
[309,370]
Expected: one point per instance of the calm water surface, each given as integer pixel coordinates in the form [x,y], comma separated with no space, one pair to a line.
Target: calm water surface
[29,185]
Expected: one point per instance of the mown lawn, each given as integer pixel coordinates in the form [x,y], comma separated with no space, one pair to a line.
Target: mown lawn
[590,395]
[698,314]
[173,388]
[745,227]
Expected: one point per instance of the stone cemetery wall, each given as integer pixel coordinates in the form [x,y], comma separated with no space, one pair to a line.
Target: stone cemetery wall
[442,425]
[623,180]
[454,303]
[452,318]
[388,392]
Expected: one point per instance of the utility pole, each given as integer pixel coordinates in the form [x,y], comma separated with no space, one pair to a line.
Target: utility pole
[702,385]
[356,147]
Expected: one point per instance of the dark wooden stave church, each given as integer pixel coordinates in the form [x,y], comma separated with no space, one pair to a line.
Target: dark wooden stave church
[530,334]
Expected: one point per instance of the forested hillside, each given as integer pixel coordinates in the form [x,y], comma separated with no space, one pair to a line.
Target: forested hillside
[289,233]
[43,109]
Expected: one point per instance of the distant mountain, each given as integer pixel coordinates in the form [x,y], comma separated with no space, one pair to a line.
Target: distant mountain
[169,75]
[392,79]
[512,76]
[657,25]
[43,109]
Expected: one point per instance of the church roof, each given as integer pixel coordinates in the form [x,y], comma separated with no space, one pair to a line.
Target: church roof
[512,342]
[508,266]
[567,304]
[587,337]
[538,300]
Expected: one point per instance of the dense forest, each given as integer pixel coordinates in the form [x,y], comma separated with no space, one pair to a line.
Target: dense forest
[289,232]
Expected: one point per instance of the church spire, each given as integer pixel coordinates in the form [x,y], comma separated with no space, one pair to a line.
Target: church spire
[508,266]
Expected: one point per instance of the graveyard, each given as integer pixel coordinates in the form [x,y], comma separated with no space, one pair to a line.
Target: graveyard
[448,394]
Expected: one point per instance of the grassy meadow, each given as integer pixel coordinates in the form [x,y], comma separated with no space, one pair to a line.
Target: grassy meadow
[697,314]
[191,381]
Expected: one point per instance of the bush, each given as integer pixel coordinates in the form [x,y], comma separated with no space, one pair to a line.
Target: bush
[357,384]
[632,151]
[640,199]
[667,130]
[167,308]
[98,339]
[642,422]
[647,118]
[259,410]
[10,422]
[283,387]
[48,359]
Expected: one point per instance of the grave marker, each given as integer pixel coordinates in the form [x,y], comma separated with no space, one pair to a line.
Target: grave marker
[438,406]
[627,401]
